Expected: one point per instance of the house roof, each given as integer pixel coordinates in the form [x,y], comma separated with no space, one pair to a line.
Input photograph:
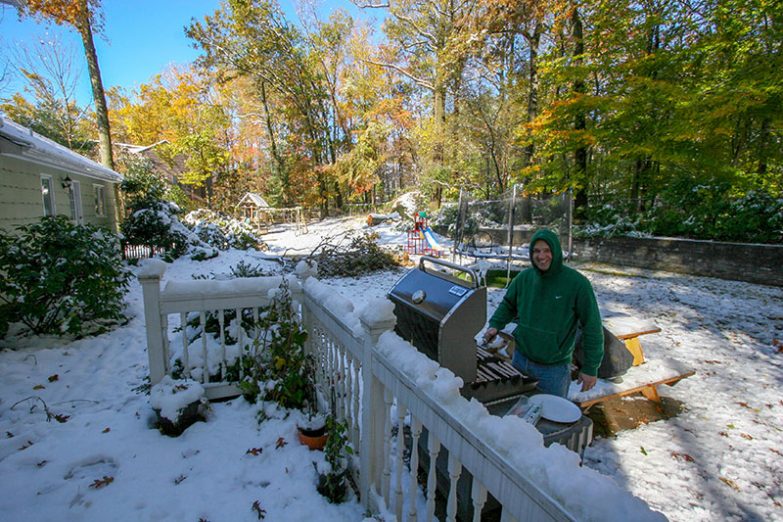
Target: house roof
[255,199]
[39,149]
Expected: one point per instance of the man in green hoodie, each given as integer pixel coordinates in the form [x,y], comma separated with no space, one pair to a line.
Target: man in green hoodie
[549,302]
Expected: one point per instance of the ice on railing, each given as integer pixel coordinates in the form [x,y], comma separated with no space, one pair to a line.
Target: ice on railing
[267,286]
[152,267]
[338,305]
[585,493]
[377,310]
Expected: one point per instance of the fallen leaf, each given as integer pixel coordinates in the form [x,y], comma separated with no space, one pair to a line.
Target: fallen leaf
[42,463]
[179,479]
[712,361]
[733,485]
[280,443]
[746,436]
[54,378]
[644,451]
[106,430]
[102,483]
[59,417]
[254,451]
[260,512]
[684,456]
[723,434]
[776,452]
[8,435]
[744,405]
[731,426]
[39,387]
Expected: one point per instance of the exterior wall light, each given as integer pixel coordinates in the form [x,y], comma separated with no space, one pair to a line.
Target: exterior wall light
[67,183]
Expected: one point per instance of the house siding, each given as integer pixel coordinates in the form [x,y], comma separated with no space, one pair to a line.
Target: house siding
[20,194]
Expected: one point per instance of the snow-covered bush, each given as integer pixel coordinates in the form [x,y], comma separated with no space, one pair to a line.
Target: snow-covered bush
[221,231]
[59,277]
[153,221]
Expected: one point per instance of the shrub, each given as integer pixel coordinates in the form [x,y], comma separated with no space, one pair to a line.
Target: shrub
[223,232]
[60,277]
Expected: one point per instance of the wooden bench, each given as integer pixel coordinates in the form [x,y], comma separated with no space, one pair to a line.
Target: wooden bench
[648,390]
[643,379]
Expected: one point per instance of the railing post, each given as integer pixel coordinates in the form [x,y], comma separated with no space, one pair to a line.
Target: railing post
[373,410]
[150,276]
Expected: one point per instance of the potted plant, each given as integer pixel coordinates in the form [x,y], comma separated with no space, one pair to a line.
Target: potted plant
[333,484]
[312,431]
[178,404]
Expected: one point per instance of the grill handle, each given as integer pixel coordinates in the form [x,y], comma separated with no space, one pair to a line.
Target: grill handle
[448,264]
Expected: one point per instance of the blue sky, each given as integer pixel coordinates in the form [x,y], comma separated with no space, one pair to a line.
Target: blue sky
[141,38]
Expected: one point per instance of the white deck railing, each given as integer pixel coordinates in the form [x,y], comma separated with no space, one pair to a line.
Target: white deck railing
[379,403]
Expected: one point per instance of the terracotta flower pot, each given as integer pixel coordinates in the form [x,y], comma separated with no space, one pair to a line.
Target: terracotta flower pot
[314,439]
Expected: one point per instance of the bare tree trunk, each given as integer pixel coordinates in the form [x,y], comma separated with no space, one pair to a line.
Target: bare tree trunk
[98,95]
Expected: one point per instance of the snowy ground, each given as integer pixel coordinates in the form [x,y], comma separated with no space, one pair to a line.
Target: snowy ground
[718,460]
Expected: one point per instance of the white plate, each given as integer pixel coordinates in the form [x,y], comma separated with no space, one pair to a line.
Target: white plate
[556,409]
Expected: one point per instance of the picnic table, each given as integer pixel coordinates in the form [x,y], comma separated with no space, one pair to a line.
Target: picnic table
[644,377]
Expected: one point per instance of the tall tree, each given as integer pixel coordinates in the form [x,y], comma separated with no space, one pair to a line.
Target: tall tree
[84,16]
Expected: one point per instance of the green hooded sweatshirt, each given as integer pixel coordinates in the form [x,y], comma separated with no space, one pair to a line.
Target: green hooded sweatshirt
[548,307]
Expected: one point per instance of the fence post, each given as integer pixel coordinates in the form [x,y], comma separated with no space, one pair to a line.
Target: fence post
[373,410]
[150,276]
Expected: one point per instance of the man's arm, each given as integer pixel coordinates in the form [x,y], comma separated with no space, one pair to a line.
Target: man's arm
[592,335]
[505,313]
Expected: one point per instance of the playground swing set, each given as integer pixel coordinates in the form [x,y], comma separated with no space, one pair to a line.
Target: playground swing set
[421,240]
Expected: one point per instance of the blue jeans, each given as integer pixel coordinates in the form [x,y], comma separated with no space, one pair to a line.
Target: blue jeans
[552,378]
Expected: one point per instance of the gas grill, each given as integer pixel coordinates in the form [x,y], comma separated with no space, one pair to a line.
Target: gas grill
[440,314]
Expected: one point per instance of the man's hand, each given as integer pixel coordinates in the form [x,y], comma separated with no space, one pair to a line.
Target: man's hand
[490,334]
[588,381]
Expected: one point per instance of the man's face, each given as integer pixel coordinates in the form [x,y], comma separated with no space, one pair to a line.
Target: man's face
[542,255]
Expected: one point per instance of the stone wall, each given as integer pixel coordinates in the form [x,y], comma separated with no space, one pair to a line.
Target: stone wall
[754,263]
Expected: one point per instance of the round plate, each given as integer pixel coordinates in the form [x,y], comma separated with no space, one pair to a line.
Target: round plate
[556,409]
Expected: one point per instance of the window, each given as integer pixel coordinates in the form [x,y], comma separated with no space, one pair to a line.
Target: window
[47,193]
[75,199]
[100,200]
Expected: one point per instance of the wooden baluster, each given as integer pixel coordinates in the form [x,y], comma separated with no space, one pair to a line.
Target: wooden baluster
[433,448]
[344,384]
[256,332]
[398,461]
[387,399]
[455,470]
[164,331]
[356,396]
[222,322]
[240,344]
[479,495]
[202,319]
[413,486]
[183,318]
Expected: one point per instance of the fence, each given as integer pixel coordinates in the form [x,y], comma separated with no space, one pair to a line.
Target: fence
[357,359]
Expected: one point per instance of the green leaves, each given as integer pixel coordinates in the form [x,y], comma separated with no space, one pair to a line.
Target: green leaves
[61,277]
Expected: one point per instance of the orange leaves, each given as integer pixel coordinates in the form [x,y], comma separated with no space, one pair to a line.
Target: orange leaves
[682,456]
[102,483]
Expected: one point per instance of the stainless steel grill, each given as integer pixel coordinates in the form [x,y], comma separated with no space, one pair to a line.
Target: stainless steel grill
[440,314]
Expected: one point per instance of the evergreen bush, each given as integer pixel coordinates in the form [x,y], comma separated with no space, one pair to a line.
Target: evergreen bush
[59,277]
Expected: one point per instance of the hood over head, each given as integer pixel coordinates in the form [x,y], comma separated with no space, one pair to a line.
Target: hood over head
[554,245]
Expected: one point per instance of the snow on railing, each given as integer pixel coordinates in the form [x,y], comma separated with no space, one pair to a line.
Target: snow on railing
[389,396]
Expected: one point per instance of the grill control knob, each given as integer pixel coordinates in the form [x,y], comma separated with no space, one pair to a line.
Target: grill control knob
[419,296]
